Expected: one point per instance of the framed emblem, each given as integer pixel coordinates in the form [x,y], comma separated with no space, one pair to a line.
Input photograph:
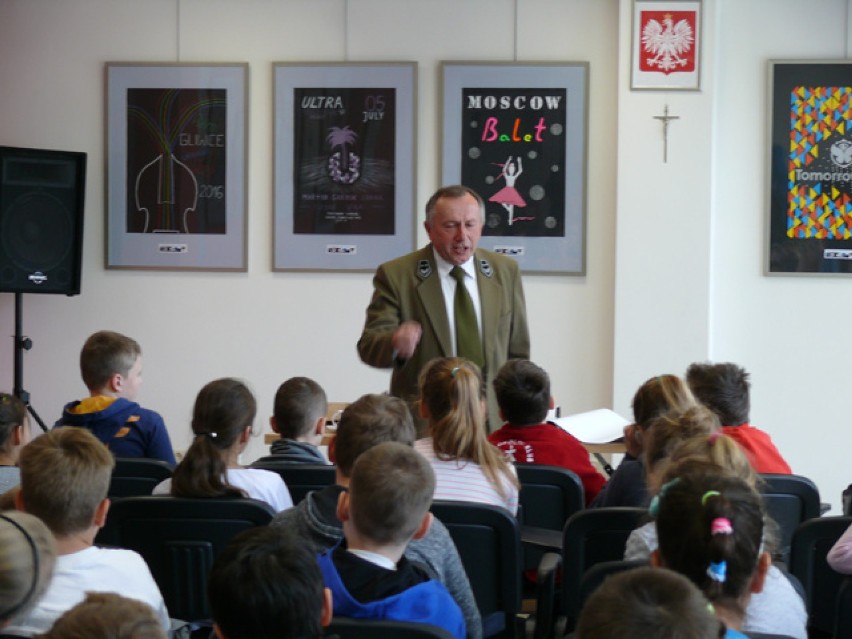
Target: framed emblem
[666,45]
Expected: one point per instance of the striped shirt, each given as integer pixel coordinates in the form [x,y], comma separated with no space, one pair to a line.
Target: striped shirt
[462,480]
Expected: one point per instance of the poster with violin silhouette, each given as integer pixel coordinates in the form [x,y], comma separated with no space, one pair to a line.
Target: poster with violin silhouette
[666,45]
[176,152]
[516,134]
[343,164]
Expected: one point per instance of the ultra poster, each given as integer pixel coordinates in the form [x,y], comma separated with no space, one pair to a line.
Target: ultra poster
[516,134]
[344,164]
[176,148]
[344,161]
[810,195]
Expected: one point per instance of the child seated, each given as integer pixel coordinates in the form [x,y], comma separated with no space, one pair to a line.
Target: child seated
[647,603]
[65,475]
[222,420]
[111,366]
[106,615]
[299,417]
[467,466]
[724,389]
[27,557]
[14,434]
[387,506]
[265,584]
[523,395]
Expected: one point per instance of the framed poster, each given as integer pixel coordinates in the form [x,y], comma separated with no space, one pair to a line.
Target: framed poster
[344,164]
[810,190]
[517,135]
[666,45]
[176,166]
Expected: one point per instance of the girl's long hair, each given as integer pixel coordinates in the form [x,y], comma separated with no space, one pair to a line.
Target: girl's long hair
[451,388]
[222,410]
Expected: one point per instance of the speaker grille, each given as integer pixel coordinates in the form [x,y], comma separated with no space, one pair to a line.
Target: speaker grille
[37,232]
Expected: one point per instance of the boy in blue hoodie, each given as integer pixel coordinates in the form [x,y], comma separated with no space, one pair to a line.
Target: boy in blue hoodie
[387,506]
[111,367]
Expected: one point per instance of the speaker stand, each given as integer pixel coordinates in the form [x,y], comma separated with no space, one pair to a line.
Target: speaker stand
[22,344]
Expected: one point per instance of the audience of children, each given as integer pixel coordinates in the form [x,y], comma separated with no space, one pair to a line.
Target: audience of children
[111,367]
[724,389]
[656,396]
[14,433]
[299,417]
[386,506]
[523,395]
[107,615]
[27,557]
[777,608]
[710,528]
[266,584]
[65,475]
[648,603]
[222,420]
[365,423]
[467,466]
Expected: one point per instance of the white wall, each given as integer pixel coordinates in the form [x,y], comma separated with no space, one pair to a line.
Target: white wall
[261,326]
[690,256]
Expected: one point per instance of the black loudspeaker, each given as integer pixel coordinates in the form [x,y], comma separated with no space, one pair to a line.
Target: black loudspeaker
[42,194]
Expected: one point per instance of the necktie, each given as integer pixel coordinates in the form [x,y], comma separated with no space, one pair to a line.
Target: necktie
[468,342]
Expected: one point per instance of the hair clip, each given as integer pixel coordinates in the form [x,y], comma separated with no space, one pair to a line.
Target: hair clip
[210,435]
[721,526]
[654,507]
[712,437]
[718,571]
[708,495]
[454,371]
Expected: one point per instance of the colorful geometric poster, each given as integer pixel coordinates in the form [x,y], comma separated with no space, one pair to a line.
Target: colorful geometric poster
[513,155]
[811,172]
[176,161]
[344,161]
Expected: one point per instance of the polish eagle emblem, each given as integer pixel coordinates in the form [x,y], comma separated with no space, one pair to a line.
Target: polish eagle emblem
[667,45]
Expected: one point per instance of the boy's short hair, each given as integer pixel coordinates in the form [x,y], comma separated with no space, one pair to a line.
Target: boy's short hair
[65,475]
[647,603]
[104,354]
[107,615]
[523,392]
[390,490]
[368,421]
[299,403]
[723,388]
[266,584]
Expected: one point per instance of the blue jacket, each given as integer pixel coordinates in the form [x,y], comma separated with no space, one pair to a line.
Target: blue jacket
[126,428]
[427,602]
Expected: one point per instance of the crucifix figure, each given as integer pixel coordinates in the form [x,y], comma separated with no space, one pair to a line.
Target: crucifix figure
[665,118]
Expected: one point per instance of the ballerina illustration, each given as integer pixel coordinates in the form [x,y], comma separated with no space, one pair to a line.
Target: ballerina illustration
[508,196]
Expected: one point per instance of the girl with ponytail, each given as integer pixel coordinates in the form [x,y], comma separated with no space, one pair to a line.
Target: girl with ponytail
[222,425]
[467,466]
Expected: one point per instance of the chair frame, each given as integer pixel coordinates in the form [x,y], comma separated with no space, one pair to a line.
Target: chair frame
[300,478]
[137,476]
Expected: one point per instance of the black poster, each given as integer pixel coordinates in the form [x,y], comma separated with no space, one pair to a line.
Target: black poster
[344,162]
[513,155]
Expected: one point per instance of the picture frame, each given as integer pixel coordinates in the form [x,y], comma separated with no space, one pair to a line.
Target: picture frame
[517,134]
[344,183]
[809,198]
[176,148]
[666,45]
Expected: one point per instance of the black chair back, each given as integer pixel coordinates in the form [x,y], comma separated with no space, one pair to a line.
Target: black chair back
[300,478]
[810,545]
[137,476]
[488,539]
[590,537]
[549,496]
[789,500]
[384,629]
[179,538]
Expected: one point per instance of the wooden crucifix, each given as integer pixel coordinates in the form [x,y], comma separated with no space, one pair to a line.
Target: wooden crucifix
[665,118]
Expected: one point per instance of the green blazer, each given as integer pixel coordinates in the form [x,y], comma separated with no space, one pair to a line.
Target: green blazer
[409,288]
